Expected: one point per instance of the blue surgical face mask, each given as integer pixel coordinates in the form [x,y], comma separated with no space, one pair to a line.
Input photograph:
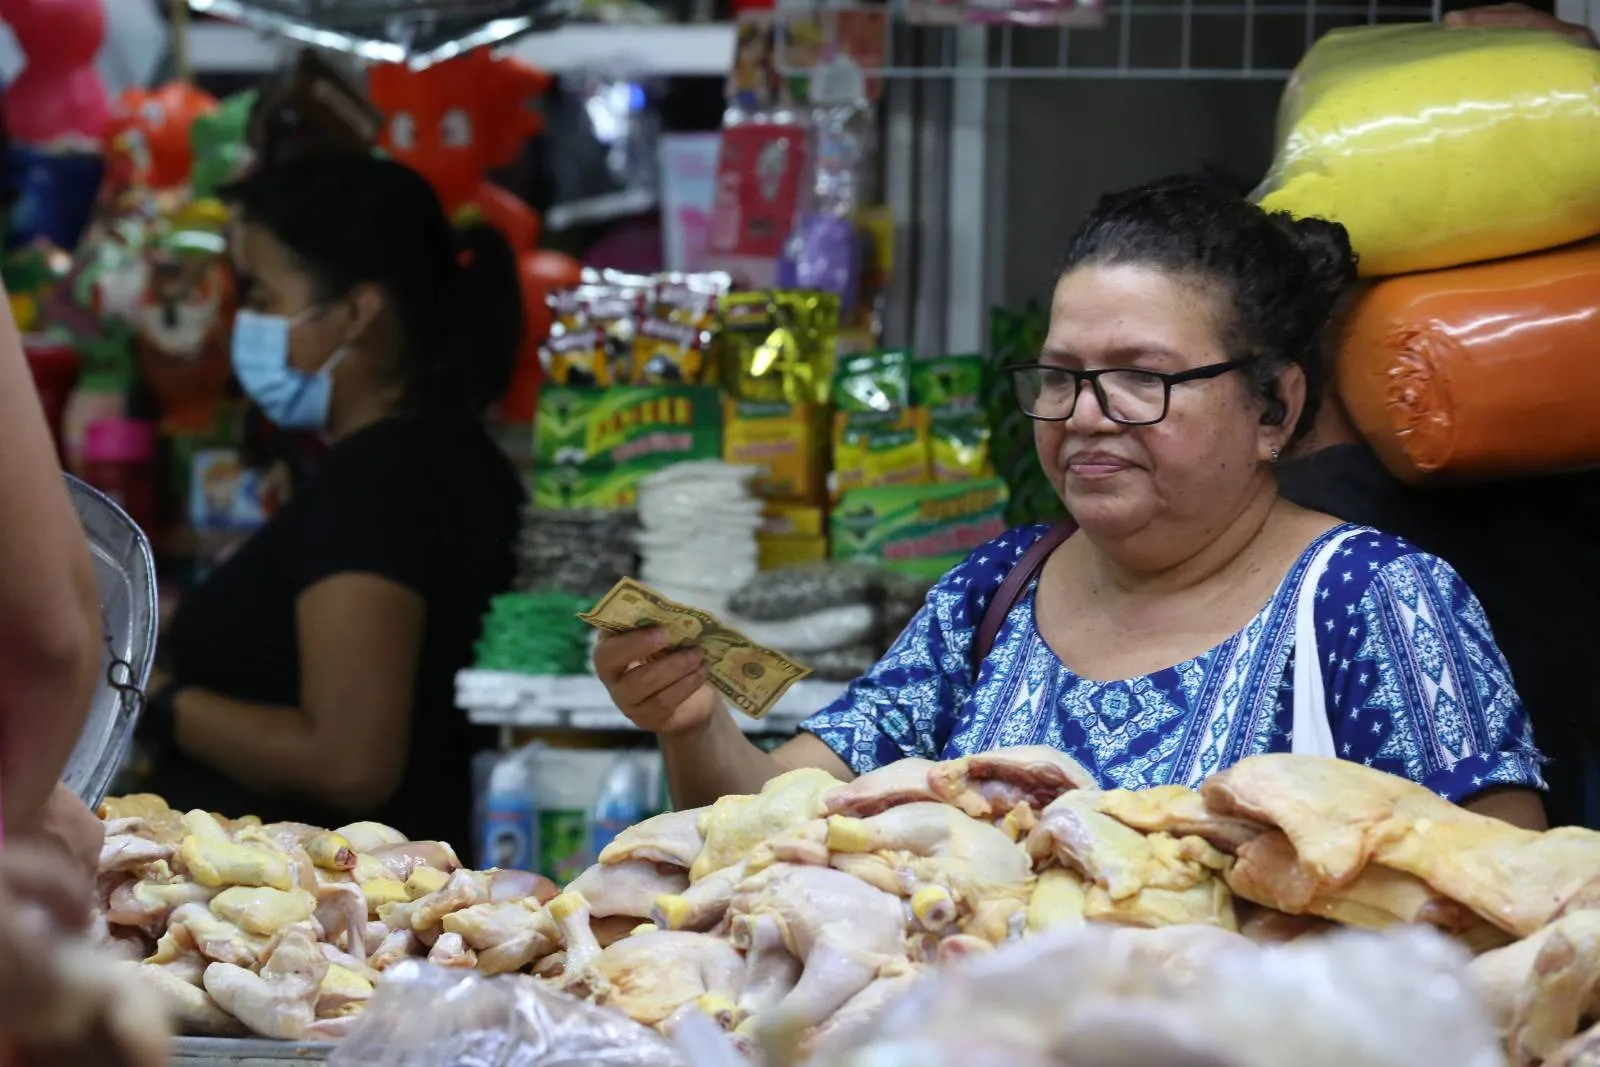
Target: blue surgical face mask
[292,399]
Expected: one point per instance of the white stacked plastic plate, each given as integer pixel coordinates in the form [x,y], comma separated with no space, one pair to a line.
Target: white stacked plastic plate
[126,573]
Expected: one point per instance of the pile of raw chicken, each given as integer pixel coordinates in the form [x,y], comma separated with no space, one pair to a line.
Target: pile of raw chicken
[811,905]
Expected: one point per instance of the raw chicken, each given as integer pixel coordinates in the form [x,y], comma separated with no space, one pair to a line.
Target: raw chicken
[193,927]
[213,858]
[953,868]
[990,784]
[902,782]
[258,910]
[1134,879]
[190,1006]
[279,1002]
[506,936]
[629,887]
[842,930]
[150,904]
[452,950]
[1176,810]
[736,824]
[860,1011]
[1541,989]
[672,839]
[653,975]
[128,852]
[1058,900]
[368,837]
[703,905]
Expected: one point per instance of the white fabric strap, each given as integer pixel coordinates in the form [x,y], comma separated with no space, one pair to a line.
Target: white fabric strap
[1313,734]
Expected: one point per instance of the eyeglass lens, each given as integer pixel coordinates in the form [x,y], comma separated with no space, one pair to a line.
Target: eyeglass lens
[1131,396]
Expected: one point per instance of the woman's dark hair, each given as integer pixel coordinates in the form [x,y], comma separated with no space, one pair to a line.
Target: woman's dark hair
[1281,279]
[351,220]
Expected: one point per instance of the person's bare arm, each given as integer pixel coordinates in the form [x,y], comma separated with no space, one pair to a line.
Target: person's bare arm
[717,759]
[50,629]
[1519,807]
[346,745]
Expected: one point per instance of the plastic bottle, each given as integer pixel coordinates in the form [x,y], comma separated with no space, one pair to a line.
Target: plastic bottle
[625,799]
[510,821]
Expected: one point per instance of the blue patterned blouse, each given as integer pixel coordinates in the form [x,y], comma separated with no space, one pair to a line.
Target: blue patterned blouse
[1414,682]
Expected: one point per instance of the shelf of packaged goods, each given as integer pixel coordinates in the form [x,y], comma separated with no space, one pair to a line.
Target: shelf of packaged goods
[580,702]
[700,49]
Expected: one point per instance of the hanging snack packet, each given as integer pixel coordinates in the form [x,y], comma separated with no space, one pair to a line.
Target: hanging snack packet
[570,352]
[614,305]
[950,391]
[673,344]
[778,346]
[878,437]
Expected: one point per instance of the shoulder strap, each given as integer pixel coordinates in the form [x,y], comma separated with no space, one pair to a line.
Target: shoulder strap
[1011,590]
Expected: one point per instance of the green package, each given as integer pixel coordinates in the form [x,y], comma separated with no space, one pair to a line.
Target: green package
[950,390]
[918,530]
[592,447]
[879,437]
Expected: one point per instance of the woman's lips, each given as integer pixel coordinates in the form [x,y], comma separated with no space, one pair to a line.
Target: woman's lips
[1095,465]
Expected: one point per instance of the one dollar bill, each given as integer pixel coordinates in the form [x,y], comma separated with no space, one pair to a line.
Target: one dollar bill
[753,678]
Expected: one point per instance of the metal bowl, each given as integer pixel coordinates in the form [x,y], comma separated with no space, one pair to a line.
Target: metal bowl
[125,569]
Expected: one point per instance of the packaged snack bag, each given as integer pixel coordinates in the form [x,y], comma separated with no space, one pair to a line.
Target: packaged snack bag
[674,339]
[950,391]
[778,345]
[879,438]
[1437,147]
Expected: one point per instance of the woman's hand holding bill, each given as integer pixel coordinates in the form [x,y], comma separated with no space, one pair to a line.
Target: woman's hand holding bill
[664,692]
[706,754]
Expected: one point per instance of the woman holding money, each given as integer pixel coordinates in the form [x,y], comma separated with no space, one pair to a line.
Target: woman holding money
[1192,617]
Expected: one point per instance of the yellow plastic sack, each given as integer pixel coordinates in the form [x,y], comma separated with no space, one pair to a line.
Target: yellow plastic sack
[1438,147]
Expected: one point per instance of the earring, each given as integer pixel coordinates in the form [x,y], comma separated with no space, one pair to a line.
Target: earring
[1273,452]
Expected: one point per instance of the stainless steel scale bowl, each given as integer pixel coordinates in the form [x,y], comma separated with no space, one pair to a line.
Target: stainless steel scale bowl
[126,572]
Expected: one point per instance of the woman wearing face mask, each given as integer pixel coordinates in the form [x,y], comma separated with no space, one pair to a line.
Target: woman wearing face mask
[312,673]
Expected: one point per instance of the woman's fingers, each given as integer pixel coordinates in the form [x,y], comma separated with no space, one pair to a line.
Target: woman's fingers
[657,713]
[648,680]
[614,654]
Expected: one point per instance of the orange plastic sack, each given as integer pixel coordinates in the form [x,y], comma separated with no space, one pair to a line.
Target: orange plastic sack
[1479,372]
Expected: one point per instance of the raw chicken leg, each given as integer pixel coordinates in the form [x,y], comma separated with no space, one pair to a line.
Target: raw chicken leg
[703,905]
[1540,989]
[990,784]
[673,839]
[902,782]
[736,824]
[629,887]
[190,1006]
[842,930]
[1176,810]
[281,1001]
[771,970]
[859,1012]
[506,936]
[953,868]
[653,975]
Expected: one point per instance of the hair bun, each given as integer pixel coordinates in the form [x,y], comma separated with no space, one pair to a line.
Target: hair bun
[1329,257]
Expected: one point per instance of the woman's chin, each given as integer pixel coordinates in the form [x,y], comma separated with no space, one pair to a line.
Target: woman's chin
[1104,517]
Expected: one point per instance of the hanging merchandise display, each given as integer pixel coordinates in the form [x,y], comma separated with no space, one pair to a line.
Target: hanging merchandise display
[219,144]
[455,121]
[149,143]
[55,116]
[1402,134]
[419,33]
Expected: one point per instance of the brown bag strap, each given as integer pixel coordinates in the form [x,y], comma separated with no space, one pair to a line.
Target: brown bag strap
[1011,590]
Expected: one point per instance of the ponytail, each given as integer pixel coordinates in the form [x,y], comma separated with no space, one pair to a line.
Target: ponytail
[471,368]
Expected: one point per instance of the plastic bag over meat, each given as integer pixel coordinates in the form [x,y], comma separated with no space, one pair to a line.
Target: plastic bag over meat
[1437,147]
[1189,997]
[428,1016]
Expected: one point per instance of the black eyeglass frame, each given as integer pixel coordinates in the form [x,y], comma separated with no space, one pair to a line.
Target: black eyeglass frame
[1167,379]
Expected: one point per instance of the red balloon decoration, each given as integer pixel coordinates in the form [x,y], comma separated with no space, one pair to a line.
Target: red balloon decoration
[59,94]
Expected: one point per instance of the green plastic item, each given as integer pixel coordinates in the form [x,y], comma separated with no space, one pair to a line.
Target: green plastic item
[917,530]
[535,633]
[874,382]
[218,141]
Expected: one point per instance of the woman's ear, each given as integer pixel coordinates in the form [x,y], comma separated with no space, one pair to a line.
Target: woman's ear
[366,304]
[1283,412]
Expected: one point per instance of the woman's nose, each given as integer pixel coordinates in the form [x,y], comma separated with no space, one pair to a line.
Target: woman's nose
[1088,415]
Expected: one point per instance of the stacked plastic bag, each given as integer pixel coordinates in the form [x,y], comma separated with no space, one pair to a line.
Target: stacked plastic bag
[1444,151]
[836,618]
[697,542]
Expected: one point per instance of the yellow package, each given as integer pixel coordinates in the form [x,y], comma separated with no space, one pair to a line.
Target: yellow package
[574,353]
[1437,147]
[871,451]
[793,520]
[673,342]
[787,441]
[774,551]
[778,345]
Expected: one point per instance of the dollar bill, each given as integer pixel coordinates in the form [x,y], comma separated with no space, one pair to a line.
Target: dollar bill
[752,677]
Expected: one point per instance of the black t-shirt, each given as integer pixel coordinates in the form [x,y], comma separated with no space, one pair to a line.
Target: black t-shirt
[1529,550]
[432,505]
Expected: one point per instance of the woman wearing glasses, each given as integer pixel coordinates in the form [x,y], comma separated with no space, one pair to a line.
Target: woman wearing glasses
[1193,617]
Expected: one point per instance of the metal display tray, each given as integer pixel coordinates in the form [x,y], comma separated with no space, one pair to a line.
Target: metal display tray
[244,1052]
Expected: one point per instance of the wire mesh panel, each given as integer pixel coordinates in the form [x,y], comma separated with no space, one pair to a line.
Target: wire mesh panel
[1163,39]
